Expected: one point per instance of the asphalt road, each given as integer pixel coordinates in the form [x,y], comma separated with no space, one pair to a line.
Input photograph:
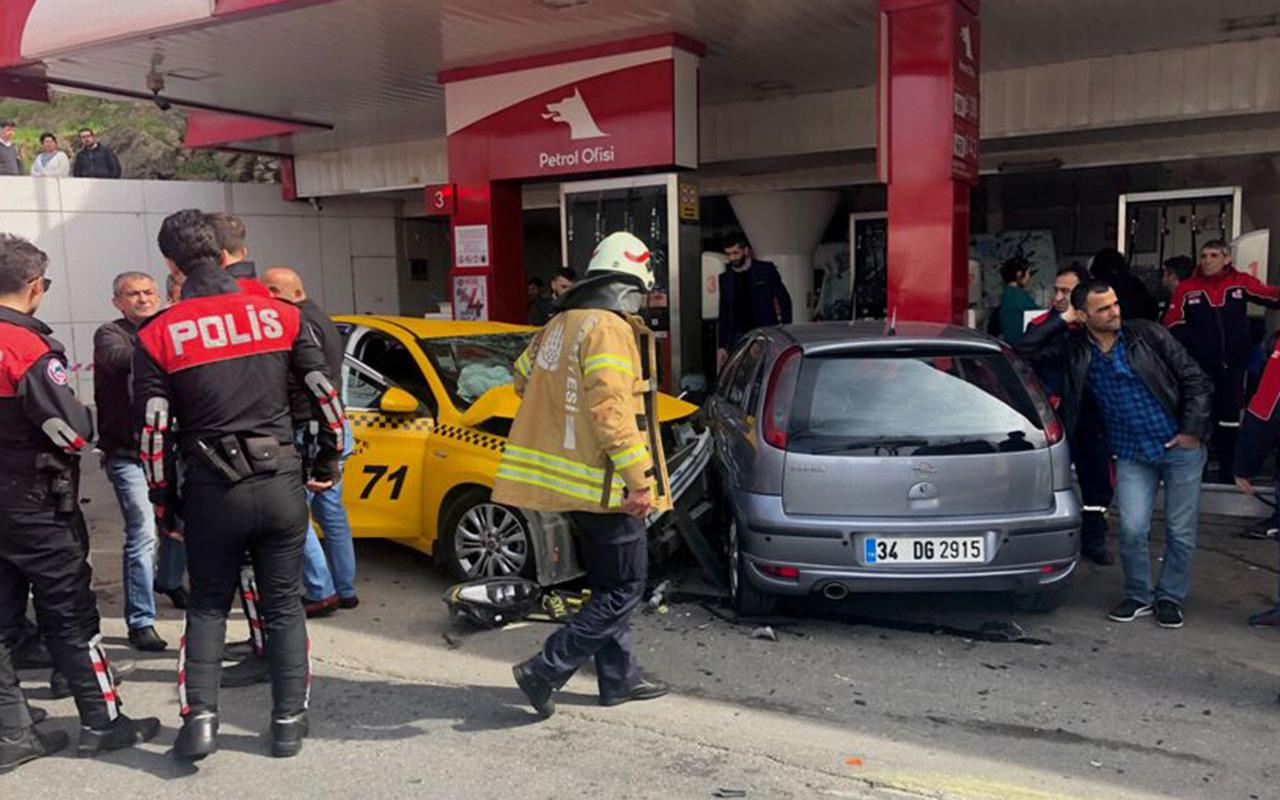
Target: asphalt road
[875,697]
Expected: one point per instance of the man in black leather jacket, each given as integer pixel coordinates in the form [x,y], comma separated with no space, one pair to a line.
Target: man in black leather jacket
[1156,403]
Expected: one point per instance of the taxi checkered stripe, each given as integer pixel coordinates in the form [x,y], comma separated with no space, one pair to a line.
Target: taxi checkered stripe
[374,420]
[361,419]
[474,437]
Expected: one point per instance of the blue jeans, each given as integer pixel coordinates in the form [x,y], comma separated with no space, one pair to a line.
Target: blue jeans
[329,568]
[142,574]
[1180,469]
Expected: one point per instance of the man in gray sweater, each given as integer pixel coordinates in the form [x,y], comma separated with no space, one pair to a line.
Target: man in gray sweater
[10,163]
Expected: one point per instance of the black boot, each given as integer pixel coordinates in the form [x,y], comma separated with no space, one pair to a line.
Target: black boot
[58,686]
[123,732]
[287,734]
[640,690]
[178,596]
[19,747]
[32,654]
[254,669]
[536,689]
[198,737]
[147,639]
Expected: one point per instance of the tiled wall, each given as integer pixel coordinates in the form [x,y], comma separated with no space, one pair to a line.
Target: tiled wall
[96,229]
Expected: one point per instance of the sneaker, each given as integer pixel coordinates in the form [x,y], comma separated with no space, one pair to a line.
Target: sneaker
[1168,614]
[1263,530]
[1129,610]
[28,744]
[1266,619]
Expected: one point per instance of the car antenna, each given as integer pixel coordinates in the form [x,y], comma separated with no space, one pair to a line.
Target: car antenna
[893,323]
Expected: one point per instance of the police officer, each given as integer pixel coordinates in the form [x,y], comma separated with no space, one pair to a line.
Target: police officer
[585,442]
[1209,315]
[43,431]
[219,363]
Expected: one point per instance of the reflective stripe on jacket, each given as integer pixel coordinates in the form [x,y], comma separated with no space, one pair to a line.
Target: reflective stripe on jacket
[586,430]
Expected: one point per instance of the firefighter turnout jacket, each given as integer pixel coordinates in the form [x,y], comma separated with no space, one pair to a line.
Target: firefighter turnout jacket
[587,427]
[1209,316]
[220,360]
[38,411]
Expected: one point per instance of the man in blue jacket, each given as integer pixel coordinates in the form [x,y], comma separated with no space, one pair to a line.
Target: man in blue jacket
[751,296]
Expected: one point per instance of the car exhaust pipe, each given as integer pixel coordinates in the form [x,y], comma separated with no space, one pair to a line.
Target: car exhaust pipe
[835,591]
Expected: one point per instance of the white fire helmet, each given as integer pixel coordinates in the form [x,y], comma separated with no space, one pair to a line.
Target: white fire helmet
[625,253]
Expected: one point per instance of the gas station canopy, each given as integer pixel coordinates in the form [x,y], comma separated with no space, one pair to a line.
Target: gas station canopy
[364,72]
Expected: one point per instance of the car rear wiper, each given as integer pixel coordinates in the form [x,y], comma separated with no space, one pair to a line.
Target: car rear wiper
[878,442]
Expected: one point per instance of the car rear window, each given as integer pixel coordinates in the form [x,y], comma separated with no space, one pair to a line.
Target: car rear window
[924,403]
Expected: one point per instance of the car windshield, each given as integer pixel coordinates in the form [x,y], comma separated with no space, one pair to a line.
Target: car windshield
[469,366]
[925,404]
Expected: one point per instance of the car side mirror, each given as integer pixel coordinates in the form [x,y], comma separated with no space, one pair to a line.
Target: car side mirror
[397,401]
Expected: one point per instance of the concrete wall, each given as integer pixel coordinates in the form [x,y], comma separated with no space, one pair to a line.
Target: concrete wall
[95,229]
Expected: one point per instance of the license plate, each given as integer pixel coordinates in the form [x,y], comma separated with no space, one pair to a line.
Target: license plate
[932,550]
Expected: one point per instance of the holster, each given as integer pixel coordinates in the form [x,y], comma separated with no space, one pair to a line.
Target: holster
[237,460]
[62,484]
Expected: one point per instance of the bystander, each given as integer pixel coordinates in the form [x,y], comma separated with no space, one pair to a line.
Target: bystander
[95,159]
[1155,403]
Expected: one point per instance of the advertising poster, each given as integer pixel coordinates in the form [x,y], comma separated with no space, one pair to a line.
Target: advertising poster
[470,298]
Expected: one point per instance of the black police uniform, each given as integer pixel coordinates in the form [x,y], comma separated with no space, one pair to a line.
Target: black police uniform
[219,362]
[43,429]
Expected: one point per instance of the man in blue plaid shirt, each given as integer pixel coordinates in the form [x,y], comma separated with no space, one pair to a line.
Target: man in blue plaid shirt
[1155,403]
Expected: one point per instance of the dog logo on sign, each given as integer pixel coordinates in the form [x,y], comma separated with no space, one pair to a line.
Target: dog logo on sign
[573,112]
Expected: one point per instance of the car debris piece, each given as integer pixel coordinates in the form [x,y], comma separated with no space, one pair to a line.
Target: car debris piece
[764,632]
[725,792]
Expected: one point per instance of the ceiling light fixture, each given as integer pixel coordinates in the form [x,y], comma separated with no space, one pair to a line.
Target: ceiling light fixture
[560,5]
[1042,165]
[1249,23]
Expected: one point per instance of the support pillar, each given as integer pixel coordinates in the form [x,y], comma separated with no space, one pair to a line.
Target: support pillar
[927,103]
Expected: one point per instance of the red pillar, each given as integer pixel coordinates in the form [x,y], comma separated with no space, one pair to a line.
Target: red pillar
[498,206]
[927,151]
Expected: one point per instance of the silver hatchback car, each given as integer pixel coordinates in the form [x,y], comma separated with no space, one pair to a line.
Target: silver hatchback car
[859,459]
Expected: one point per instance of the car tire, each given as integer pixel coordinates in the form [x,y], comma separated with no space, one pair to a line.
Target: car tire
[1048,599]
[480,539]
[745,598]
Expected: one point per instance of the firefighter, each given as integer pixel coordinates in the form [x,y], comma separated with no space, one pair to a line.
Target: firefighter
[585,441]
[219,363]
[43,432]
[1209,315]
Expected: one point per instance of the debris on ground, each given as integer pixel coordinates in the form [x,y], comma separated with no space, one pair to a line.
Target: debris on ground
[853,761]
[659,595]
[450,640]
[725,792]
[764,632]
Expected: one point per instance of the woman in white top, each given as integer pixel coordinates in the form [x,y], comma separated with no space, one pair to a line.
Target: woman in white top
[50,162]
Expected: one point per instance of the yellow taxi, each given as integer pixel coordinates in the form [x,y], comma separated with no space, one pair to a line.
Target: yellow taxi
[430,404]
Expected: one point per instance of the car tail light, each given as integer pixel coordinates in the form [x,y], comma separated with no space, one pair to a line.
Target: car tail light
[1053,431]
[778,395]
[775,571]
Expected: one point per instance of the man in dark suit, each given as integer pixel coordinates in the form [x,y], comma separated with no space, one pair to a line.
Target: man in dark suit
[751,296]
